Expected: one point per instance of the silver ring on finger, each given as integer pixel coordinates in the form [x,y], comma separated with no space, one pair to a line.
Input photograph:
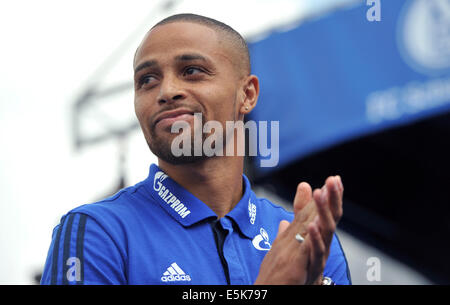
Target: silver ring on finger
[299,238]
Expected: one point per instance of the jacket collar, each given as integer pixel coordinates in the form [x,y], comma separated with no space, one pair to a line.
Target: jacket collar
[177,201]
[245,213]
[187,209]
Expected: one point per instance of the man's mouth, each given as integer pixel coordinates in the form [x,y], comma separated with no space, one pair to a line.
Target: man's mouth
[167,118]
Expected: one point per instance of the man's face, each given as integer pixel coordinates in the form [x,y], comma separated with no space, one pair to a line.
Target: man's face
[183,68]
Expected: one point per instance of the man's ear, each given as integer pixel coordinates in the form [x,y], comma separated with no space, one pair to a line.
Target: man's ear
[250,92]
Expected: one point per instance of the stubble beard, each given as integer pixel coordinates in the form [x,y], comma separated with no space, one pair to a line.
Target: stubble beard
[160,143]
[161,146]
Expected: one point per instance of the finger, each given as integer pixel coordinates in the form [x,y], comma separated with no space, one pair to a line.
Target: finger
[301,220]
[302,196]
[304,209]
[286,236]
[326,222]
[282,227]
[318,253]
[341,185]
[318,248]
[334,197]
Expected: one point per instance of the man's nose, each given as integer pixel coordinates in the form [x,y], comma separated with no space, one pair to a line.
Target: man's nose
[170,91]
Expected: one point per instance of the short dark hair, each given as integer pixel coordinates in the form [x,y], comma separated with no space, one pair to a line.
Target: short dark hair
[239,42]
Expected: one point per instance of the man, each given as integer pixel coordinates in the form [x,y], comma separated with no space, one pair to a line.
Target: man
[195,219]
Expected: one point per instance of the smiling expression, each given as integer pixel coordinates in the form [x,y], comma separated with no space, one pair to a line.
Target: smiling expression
[182,68]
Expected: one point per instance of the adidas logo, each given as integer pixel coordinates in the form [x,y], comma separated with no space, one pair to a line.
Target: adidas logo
[175,274]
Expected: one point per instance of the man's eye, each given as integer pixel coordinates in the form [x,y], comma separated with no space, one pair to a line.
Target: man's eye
[192,71]
[145,80]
